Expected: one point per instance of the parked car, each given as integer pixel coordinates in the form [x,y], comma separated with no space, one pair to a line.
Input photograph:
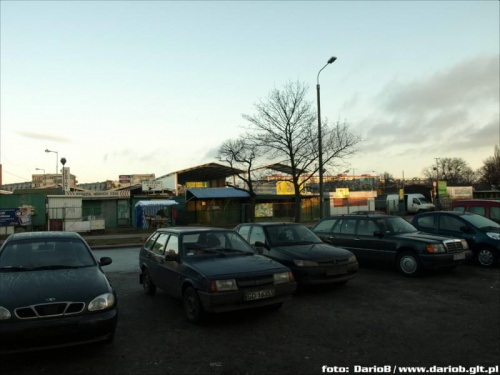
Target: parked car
[391,240]
[483,207]
[212,270]
[367,212]
[53,293]
[481,233]
[297,247]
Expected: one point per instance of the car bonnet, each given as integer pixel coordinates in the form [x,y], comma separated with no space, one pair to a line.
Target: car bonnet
[235,265]
[316,252]
[33,287]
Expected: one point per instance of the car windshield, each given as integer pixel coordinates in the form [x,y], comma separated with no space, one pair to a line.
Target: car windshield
[481,222]
[290,235]
[37,254]
[395,225]
[210,243]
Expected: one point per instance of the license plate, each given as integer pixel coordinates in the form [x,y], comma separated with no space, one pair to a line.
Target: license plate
[459,256]
[259,294]
[336,271]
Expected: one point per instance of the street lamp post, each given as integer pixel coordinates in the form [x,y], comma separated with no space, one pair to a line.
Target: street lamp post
[57,159]
[320,144]
[41,169]
[438,203]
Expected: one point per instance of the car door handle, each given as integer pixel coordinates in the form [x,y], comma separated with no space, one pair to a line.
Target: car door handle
[357,239]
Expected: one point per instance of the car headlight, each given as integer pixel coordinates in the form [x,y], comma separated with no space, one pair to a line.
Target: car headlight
[465,245]
[4,313]
[305,263]
[283,277]
[352,259]
[102,302]
[435,248]
[224,285]
[495,236]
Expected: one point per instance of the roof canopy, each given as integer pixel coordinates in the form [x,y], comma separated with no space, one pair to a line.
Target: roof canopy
[280,167]
[205,172]
[214,193]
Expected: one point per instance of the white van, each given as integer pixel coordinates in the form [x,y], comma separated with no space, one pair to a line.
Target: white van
[416,203]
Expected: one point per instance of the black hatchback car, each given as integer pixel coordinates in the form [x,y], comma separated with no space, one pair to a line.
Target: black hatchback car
[53,293]
[391,240]
[482,234]
[212,270]
[295,246]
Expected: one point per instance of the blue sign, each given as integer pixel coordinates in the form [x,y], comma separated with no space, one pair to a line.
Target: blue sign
[14,216]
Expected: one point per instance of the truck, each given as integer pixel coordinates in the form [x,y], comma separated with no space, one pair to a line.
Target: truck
[417,203]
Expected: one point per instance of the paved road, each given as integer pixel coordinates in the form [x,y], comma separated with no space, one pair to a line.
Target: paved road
[125,259]
[379,318]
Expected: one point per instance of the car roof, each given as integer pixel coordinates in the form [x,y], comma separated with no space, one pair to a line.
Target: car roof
[479,201]
[354,215]
[271,223]
[455,213]
[43,235]
[181,230]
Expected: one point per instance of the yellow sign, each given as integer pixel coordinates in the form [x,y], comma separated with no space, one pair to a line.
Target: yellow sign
[190,185]
[342,192]
[284,188]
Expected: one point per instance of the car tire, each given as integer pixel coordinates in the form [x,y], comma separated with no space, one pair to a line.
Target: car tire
[486,257]
[192,305]
[147,283]
[408,264]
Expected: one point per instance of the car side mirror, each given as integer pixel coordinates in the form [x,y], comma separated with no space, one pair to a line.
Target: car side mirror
[259,246]
[378,233]
[104,261]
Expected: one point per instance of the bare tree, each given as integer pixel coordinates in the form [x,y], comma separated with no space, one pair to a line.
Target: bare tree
[285,127]
[490,171]
[241,154]
[455,171]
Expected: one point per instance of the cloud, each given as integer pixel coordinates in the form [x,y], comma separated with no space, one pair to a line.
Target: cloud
[451,110]
[43,136]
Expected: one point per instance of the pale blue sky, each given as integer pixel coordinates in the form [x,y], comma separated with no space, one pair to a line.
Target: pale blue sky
[123,87]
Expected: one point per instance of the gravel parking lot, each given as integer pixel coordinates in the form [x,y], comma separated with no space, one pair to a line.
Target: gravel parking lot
[378,319]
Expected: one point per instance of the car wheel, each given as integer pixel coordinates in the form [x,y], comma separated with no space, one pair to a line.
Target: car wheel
[192,305]
[486,257]
[408,264]
[149,287]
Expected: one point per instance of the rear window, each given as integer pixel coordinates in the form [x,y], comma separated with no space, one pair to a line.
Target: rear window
[459,208]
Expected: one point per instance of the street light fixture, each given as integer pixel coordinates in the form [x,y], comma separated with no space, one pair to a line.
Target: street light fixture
[57,159]
[320,145]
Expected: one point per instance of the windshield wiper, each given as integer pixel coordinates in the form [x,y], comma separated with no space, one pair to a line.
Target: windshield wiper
[490,227]
[15,268]
[215,251]
[55,267]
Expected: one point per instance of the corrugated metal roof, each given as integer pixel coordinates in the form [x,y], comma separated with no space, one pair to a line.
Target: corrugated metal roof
[212,193]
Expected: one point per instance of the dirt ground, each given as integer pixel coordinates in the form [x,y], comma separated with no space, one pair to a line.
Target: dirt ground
[378,319]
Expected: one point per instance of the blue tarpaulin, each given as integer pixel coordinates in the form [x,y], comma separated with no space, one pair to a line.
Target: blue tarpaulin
[149,208]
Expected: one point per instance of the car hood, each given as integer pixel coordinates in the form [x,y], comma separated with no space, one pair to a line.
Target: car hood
[236,265]
[20,289]
[316,252]
[424,237]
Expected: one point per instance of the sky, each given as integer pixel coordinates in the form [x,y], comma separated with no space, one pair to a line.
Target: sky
[135,87]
